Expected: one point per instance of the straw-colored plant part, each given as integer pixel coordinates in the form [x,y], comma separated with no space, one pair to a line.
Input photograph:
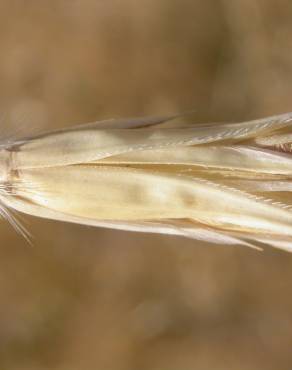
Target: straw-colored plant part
[222,183]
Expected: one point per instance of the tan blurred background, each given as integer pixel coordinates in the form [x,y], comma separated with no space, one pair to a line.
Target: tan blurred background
[84,298]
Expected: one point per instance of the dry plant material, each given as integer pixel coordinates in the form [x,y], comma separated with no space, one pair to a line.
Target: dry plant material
[222,183]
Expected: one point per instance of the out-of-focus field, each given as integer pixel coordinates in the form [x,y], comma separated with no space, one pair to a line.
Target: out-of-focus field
[87,299]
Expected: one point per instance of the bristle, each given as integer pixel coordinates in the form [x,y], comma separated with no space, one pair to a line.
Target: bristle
[8,215]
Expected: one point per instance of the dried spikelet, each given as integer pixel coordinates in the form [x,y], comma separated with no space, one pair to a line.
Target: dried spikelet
[222,183]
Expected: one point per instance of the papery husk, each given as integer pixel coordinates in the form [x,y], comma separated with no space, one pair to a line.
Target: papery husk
[222,183]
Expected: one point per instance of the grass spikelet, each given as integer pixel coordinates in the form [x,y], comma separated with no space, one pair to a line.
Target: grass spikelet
[222,183]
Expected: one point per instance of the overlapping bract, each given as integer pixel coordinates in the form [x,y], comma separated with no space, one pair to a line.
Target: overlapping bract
[223,183]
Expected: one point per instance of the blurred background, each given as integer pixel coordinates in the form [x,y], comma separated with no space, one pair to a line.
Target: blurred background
[83,298]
